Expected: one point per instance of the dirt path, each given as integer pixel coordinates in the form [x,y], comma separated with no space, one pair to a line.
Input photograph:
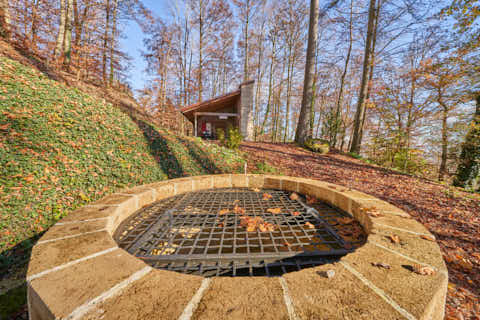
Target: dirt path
[452,216]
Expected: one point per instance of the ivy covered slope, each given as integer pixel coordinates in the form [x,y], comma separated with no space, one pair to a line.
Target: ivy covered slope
[61,148]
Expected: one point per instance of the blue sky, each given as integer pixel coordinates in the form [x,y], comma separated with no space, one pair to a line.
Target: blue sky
[132,44]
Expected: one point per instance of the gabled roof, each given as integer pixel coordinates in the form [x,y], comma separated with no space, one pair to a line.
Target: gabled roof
[211,105]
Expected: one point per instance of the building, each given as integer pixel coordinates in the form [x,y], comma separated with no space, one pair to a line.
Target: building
[234,108]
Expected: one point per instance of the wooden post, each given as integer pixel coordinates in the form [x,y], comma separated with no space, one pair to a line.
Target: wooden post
[195,114]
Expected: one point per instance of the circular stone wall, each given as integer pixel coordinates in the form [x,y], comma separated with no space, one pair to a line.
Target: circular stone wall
[77,271]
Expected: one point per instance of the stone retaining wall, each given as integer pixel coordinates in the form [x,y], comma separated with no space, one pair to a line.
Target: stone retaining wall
[77,271]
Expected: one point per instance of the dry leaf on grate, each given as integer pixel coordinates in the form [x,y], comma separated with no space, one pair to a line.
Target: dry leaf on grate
[294,196]
[267,196]
[309,225]
[239,210]
[274,210]
[223,211]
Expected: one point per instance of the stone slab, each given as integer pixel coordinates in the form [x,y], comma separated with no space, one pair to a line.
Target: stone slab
[158,295]
[84,281]
[341,297]
[410,245]
[242,298]
[90,212]
[75,228]
[52,254]
[413,292]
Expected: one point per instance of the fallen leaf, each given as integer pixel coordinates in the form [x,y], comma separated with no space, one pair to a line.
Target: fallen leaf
[274,210]
[311,200]
[287,244]
[309,225]
[429,238]
[295,213]
[423,270]
[381,265]
[294,196]
[223,211]
[239,210]
[394,238]
[267,196]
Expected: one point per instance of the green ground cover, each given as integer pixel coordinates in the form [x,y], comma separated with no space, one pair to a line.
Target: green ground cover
[61,148]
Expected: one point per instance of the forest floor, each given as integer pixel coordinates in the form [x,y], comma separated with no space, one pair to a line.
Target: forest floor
[451,215]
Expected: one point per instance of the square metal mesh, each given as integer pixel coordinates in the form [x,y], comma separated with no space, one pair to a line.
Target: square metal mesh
[207,233]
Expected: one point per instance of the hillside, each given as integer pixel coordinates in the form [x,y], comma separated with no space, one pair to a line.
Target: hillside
[61,148]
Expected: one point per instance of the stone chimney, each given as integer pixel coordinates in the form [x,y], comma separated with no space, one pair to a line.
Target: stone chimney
[246,110]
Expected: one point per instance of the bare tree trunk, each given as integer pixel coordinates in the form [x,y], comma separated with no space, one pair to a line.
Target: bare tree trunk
[303,131]
[67,48]
[33,29]
[314,92]
[342,79]
[61,29]
[372,66]
[105,42]
[245,65]
[200,49]
[443,163]
[270,85]
[259,82]
[5,21]
[357,130]
[289,84]
[112,43]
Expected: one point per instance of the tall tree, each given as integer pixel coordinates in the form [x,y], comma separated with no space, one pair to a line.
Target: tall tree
[357,131]
[337,119]
[106,34]
[61,29]
[67,42]
[5,19]
[304,121]
[113,41]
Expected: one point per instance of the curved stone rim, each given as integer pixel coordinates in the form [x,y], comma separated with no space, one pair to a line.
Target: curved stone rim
[61,283]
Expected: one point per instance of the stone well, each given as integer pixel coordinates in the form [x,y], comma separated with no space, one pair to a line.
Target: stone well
[77,271]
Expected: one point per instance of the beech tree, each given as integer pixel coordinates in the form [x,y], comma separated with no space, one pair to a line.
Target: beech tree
[303,126]
[5,19]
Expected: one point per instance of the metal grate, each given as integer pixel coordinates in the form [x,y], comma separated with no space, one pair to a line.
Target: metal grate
[238,231]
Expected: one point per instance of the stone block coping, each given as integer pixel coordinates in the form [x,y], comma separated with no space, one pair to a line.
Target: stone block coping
[77,271]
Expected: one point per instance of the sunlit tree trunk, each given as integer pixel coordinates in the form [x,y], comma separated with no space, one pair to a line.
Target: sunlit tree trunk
[34,27]
[105,41]
[200,51]
[357,130]
[303,126]
[443,162]
[337,121]
[112,41]
[270,85]
[245,64]
[61,29]
[67,44]
[5,20]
